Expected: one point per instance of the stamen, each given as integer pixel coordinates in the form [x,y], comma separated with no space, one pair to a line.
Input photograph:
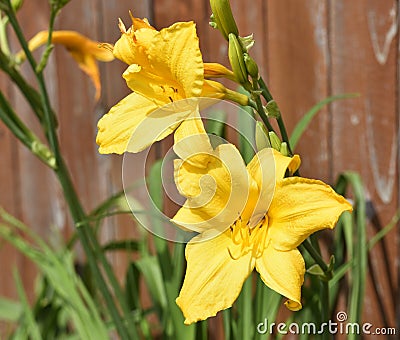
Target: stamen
[121,26]
[245,238]
[233,257]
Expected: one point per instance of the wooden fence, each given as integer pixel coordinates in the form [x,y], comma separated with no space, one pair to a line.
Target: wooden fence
[308,49]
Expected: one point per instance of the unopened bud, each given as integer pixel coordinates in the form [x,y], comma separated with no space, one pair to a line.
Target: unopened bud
[272,109]
[275,141]
[262,140]
[223,17]
[284,150]
[212,22]
[247,42]
[16,4]
[235,54]
[251,66]
[42,151]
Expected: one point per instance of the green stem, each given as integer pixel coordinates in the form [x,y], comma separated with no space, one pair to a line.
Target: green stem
[268,97]
[307,245]
[26,136]
[265,91]
[84,232]
[259,108]
[325,309]
[84,235]
[315,255]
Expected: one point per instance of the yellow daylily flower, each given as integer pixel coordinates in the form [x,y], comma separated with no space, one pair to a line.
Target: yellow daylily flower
[86,52]
[164,67]
[259,228]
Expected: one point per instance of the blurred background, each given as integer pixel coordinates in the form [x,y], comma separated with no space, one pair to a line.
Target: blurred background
[307,49]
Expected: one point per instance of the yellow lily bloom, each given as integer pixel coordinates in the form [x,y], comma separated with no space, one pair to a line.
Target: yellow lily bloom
[165,67]
[82,49]
[259,217]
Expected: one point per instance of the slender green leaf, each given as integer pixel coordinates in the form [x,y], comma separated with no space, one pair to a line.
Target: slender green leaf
[215,123]
[245,320]
[151,271]
[360,256]
[128,245]
[266,303]
[9,310]
[59,270]
[227,323]
[32,329]
[387,229]
[301,126]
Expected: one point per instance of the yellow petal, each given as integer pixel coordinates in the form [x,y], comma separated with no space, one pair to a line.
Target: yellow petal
[160,123]
[191,142]
[213,279]
[132,47]
[88,64]
[283,163]
[267,167]
[215,70]
[117,126]
[216,194]
[262,170]
[301,207]
[175,69]
[83,50]
[73,41]
[138,23]
[283,271]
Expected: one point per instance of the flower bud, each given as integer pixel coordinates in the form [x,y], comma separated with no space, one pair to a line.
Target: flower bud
[16,4]
[251,66]
[223,17]
[284,150]
[272,109]
[247,42]
[275,141]
[235,54]
[262,140]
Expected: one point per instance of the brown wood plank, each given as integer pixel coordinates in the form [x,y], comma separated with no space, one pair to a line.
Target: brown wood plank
[365,137]
[114,89]
[307,49]
[9,194]
[296,41]
[35,206]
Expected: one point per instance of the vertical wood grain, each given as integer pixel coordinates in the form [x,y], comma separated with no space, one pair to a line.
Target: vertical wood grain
[114,89]
[365,137]
[37,206]
[307,50]
[9,195]
[296,40]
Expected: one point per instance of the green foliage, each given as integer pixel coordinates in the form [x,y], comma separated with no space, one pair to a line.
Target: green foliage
[58,269]
[86,301]
[304,122]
